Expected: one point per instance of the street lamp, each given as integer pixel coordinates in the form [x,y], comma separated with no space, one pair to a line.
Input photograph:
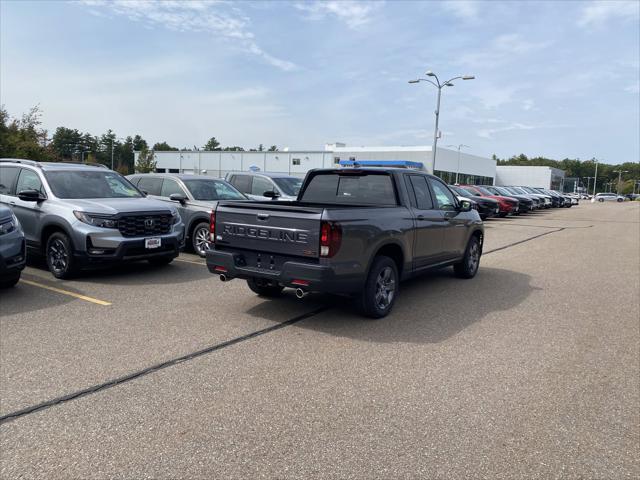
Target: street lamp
[462,145]
[595,180]
[439,86]
[619,172]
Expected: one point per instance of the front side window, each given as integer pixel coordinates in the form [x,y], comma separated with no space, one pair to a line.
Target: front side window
[8,177]
[444,198]
[170,187]
[90,184]
[29,180]
[261,185]
[289,185]
[210,190]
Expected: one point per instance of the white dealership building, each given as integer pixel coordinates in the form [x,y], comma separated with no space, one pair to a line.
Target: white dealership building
[472,168]
[542,177]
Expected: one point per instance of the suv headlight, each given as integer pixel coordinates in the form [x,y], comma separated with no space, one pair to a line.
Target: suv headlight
[176,216]
[102,221]
[10,225]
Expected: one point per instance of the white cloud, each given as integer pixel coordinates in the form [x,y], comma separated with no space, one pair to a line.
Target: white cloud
[354,13]
[464,9]
[489,133]
[596,14]
[202,16]
[502,49]
[633,88]
[528,104]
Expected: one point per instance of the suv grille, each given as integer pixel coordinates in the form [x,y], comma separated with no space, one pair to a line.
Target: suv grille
[142,225]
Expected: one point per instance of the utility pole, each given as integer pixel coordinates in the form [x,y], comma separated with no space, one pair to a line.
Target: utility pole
[619,172]
[595,178]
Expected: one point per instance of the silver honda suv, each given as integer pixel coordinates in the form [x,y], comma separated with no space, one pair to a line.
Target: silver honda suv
[81,215]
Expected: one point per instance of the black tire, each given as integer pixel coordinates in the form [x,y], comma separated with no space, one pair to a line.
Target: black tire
[601,199]
[619,200]
[264,288]
[380,289]
[468,267]
[502,214]
[160,261]
[10,281]
[59,256]
[200,239]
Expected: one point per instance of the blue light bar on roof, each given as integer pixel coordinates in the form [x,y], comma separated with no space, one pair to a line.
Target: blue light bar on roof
[381,163]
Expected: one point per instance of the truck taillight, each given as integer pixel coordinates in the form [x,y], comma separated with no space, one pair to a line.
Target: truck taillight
[212,227]
[330,238]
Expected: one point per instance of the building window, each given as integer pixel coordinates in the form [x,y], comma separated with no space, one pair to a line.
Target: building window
[336,160]
[174,170]
[353,159]
[295,161]
[160,170]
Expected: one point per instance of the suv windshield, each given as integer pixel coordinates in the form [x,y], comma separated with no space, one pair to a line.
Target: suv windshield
[207,190]
[90,184]
[290,186]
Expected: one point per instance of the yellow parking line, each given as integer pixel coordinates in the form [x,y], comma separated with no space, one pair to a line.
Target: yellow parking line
[189,261]
[65,292]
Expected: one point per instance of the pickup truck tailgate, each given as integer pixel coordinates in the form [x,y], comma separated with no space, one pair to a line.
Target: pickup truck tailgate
[269,227]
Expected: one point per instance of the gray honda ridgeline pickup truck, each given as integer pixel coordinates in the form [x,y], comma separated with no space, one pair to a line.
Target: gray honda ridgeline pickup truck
[355,231]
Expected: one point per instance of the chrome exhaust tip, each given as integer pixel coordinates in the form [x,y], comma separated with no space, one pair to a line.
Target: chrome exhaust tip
[223,277]
[300,293]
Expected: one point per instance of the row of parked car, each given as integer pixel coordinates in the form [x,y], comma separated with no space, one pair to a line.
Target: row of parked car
[84,215]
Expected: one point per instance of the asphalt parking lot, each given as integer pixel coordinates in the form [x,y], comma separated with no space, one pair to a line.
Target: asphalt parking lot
[532,369]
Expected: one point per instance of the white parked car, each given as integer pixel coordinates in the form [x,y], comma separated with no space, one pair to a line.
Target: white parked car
[608,197]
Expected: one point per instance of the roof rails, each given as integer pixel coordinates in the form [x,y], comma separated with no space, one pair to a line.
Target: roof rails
[34,163]
[20,160]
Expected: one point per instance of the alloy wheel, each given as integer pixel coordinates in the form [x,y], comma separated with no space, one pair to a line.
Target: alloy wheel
[58,256]
[474,257]
[385,288]
[201,241]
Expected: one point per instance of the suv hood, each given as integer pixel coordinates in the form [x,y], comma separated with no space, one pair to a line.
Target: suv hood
[113,206]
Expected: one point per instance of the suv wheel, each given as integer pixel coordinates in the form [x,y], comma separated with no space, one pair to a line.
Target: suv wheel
[264,288]
[468,267]
[59,256]
[380,289]
[200,239]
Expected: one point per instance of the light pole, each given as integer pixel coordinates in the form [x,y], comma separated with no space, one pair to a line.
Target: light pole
[462,145]
[588,183]
[595,178]
[439,86]
[619,172]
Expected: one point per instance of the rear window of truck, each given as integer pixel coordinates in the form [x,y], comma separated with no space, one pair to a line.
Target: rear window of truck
[350,189]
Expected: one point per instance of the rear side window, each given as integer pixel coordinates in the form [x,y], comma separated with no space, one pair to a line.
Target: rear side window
[368,189]
[242,183]
[421,192]
[8,177]
[150,185]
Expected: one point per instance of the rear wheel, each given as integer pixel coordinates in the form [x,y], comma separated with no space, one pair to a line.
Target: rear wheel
[200,239]
[264,288]
[380,289]
[59,255]
[620,200]
[10,281]
[468,267]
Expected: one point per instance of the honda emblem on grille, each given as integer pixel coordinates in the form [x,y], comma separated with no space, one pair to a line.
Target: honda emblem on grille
[149,223]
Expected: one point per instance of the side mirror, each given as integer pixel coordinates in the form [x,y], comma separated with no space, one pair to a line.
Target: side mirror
[177,197]
[272,194]
[465,206]
[30,196]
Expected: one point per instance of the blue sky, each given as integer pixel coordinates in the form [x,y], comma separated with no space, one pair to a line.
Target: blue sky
[558,79]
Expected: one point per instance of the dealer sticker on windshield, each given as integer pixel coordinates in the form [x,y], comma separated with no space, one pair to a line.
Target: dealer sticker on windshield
[152,242]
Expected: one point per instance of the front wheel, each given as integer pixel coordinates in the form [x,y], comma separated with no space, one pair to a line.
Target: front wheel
[264,288]
[380,289]
[620,200]
[59,256]
[601,199]
[200,239]
[468,267]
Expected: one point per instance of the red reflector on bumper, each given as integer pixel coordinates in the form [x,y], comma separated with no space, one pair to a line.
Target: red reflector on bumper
[220,269]
[302,283]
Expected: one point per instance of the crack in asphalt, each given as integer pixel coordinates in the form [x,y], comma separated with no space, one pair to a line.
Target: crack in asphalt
[154,368]
[219,346]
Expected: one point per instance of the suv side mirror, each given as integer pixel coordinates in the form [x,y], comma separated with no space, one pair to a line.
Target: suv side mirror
[30,196]
[465,206]
[272,194]
[177,197]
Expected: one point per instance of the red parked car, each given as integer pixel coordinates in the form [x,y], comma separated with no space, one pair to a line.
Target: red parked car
[507,205]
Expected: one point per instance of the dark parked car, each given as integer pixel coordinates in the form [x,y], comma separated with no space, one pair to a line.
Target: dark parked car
[193,195]
[356,231]
[525,203]
[13,251]
[487,207]
[507,205]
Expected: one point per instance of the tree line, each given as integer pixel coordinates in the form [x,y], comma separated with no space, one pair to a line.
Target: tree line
[608,174]
[25,137]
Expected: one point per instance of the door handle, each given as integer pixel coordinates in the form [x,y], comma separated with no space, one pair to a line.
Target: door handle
[420,217]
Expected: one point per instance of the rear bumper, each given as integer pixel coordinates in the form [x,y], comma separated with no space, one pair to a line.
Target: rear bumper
[291,273]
